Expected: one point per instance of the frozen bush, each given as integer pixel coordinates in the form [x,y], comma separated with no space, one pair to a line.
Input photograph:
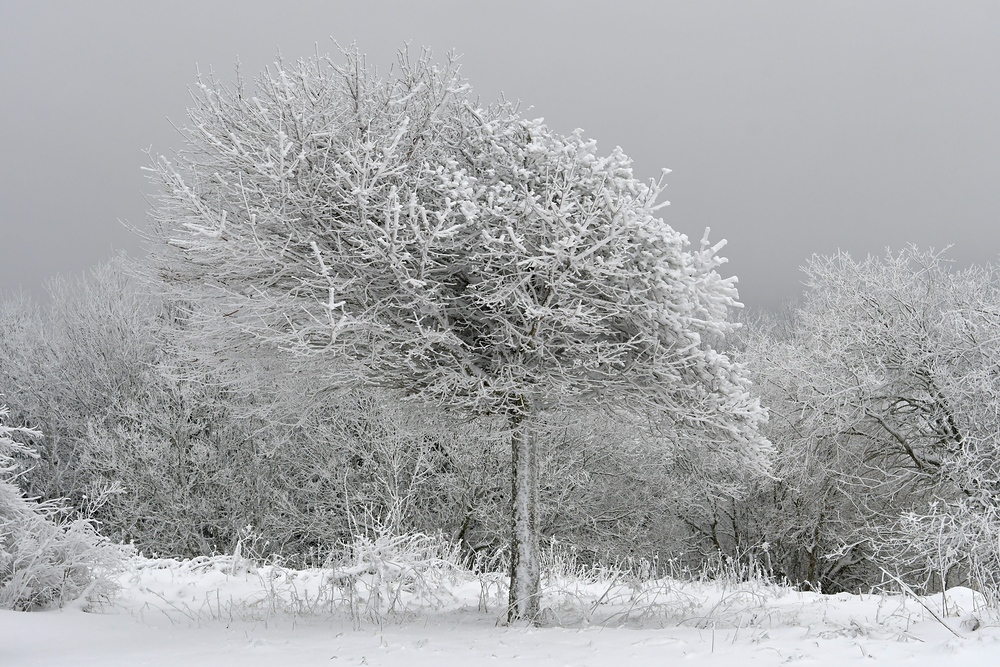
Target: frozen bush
[44,561]
[885,409]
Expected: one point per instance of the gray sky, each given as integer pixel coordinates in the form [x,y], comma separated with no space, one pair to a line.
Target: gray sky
[791,127]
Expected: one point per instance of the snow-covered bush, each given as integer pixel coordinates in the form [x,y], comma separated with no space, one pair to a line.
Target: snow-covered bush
[380,572]
[885,414]
[45,561]
[73,364]
[154,444]
[942,545]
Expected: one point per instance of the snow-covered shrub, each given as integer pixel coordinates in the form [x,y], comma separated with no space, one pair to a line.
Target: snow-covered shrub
[45,561]
[154,443]
[380,573]
[948,544]
[885,414]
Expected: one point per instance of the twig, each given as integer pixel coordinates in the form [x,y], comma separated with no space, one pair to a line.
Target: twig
[909,591]
[171,604]
[601,599]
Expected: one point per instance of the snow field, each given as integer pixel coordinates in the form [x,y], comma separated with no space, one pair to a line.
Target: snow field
[226,611]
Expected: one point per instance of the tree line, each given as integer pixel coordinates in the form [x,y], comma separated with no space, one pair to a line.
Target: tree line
[370,303]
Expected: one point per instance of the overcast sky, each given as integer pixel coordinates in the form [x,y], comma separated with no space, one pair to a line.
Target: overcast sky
[791,127]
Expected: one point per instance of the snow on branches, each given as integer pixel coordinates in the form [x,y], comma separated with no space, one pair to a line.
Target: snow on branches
[466,255]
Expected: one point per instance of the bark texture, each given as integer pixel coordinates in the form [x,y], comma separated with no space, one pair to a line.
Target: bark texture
[525,571]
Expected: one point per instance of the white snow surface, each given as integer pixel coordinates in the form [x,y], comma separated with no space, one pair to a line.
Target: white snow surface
[223,611]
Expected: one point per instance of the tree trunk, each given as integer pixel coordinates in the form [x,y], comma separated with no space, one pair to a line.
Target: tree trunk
[525,572]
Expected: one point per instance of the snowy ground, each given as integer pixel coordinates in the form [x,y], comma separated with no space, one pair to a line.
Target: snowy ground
[223,612]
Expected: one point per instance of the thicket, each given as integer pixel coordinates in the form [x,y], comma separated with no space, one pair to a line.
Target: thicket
[884,395]
[883,391]
[182,454]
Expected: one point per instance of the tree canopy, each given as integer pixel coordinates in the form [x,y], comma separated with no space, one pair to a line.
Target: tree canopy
[465,254]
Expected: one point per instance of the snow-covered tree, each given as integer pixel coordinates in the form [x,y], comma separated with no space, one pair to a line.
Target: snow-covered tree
[467,256]
[885,409]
